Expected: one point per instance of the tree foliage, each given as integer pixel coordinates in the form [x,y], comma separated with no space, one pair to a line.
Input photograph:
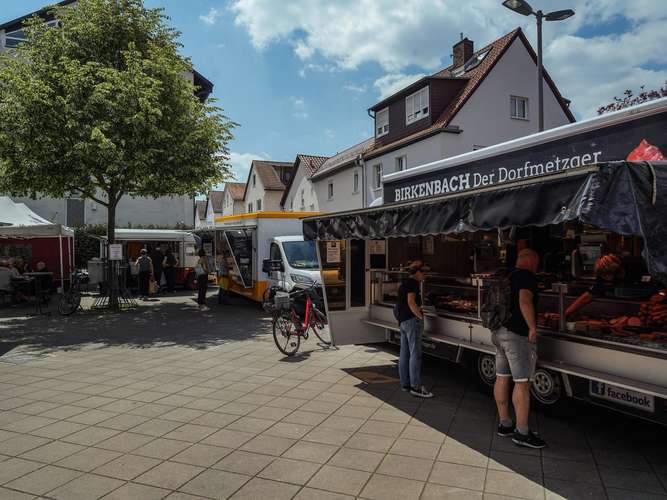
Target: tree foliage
[630,99]
[101,106]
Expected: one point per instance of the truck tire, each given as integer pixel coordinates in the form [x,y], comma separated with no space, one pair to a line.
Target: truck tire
[483,366]
[548,391]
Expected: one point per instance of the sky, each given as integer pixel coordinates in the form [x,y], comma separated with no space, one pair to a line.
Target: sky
[299,75]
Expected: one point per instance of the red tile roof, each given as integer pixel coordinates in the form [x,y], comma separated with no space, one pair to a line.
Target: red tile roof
[236,189]
[310,163]
[268,173]
[475,77]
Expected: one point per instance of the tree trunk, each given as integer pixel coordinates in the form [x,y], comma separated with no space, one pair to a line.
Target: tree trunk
[113,281]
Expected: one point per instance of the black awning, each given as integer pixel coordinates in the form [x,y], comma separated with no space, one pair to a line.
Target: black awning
[623,197]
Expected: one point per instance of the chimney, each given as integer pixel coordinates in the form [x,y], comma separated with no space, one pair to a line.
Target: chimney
[462,51]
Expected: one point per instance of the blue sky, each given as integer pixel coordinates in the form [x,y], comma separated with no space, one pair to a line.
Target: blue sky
[298,75]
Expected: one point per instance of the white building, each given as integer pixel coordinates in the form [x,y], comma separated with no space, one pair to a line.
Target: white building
[266,182]
[200,213]
[300,195]
[232,198]
[483,98]
[339,183]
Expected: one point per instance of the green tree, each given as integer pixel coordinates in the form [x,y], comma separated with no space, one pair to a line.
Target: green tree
[100,106]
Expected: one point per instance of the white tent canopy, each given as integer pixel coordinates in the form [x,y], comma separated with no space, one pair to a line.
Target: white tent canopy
[18,221]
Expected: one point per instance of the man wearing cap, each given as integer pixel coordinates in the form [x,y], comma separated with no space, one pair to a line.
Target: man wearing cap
[411,320]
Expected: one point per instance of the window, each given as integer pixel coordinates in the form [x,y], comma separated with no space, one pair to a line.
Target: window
[330,191]
[312,208]
[14,38]
[416,106]
[382,122]
[519,107]
[274,252]
[259,205]
[401,163]
[355,182]
[254,180]
[303,199]
[250,207]
[377,176]
[291,204]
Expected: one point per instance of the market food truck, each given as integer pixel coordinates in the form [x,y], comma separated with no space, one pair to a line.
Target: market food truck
[255,250]
[563,193]
[183,243]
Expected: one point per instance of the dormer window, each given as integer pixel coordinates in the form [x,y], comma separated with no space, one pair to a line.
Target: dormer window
[382,122]
[416,106]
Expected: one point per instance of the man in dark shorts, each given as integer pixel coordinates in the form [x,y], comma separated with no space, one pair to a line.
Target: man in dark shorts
[411,321]
[516,353]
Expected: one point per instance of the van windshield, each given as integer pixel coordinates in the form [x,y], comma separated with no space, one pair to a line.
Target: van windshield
[301,254]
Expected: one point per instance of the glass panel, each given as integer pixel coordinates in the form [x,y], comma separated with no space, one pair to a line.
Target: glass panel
[333,257]
[301,254]
[240,246]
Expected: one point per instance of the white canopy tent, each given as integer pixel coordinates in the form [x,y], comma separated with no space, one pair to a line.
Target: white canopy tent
[17,221]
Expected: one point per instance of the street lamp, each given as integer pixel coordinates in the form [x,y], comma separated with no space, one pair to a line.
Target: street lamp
[522,7]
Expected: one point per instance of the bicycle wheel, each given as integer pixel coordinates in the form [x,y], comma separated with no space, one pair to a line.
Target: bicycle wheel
[318,324]
[69,303]
[285,335]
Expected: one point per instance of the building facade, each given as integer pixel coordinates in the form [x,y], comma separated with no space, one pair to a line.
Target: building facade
[266,183]
[300,195]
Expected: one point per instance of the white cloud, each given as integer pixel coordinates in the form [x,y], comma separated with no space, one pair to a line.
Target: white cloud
[240,163]
[298,107]
[329,134]
[212,17]
[406,36]
[393,82]
[360,89]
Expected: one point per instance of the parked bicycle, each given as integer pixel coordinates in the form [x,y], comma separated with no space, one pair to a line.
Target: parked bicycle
[70,301]
[294,316]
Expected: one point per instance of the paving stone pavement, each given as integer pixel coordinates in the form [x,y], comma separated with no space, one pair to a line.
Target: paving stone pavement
[169,402]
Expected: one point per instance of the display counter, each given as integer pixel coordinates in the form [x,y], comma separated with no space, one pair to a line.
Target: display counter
[614,323]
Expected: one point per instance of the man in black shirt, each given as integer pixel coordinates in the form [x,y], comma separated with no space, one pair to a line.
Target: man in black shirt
[157,257]
[516,353]
[411,320]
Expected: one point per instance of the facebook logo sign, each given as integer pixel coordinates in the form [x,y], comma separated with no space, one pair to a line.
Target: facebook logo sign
[622,396]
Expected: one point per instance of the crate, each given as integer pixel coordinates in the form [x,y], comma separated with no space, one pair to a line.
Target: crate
[282,300]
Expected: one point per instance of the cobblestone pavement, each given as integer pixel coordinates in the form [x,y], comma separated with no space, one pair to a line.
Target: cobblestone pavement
[169,402]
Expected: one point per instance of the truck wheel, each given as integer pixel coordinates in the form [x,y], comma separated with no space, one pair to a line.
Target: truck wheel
[485,368]
[549,393]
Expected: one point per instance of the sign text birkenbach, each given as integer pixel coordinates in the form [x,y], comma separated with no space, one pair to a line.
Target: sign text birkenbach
[472,180]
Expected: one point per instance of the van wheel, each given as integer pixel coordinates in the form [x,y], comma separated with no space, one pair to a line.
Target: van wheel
[485,368]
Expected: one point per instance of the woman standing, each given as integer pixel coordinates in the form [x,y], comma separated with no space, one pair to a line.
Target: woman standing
[170,264]
[201,270]
[145,267]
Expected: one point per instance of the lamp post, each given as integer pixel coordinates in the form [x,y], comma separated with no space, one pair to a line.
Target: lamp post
[522,7]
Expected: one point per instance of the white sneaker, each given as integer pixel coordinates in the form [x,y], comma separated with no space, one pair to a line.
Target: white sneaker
[422,392]
[204,308]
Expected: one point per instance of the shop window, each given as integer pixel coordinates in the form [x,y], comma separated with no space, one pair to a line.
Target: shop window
[334,260]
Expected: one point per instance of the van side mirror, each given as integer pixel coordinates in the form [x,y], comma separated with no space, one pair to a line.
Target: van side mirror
[269,266]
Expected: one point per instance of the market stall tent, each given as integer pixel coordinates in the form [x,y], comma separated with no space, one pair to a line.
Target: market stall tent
[23,233]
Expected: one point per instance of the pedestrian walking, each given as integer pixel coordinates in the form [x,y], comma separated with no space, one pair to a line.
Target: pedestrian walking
[201,270]
[145,266]
[411,320]
[169,264]
[157,257]
[516,352]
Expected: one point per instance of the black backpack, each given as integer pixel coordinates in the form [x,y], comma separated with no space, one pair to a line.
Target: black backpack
[496,310]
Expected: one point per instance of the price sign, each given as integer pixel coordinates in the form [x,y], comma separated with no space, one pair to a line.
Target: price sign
[333,252]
